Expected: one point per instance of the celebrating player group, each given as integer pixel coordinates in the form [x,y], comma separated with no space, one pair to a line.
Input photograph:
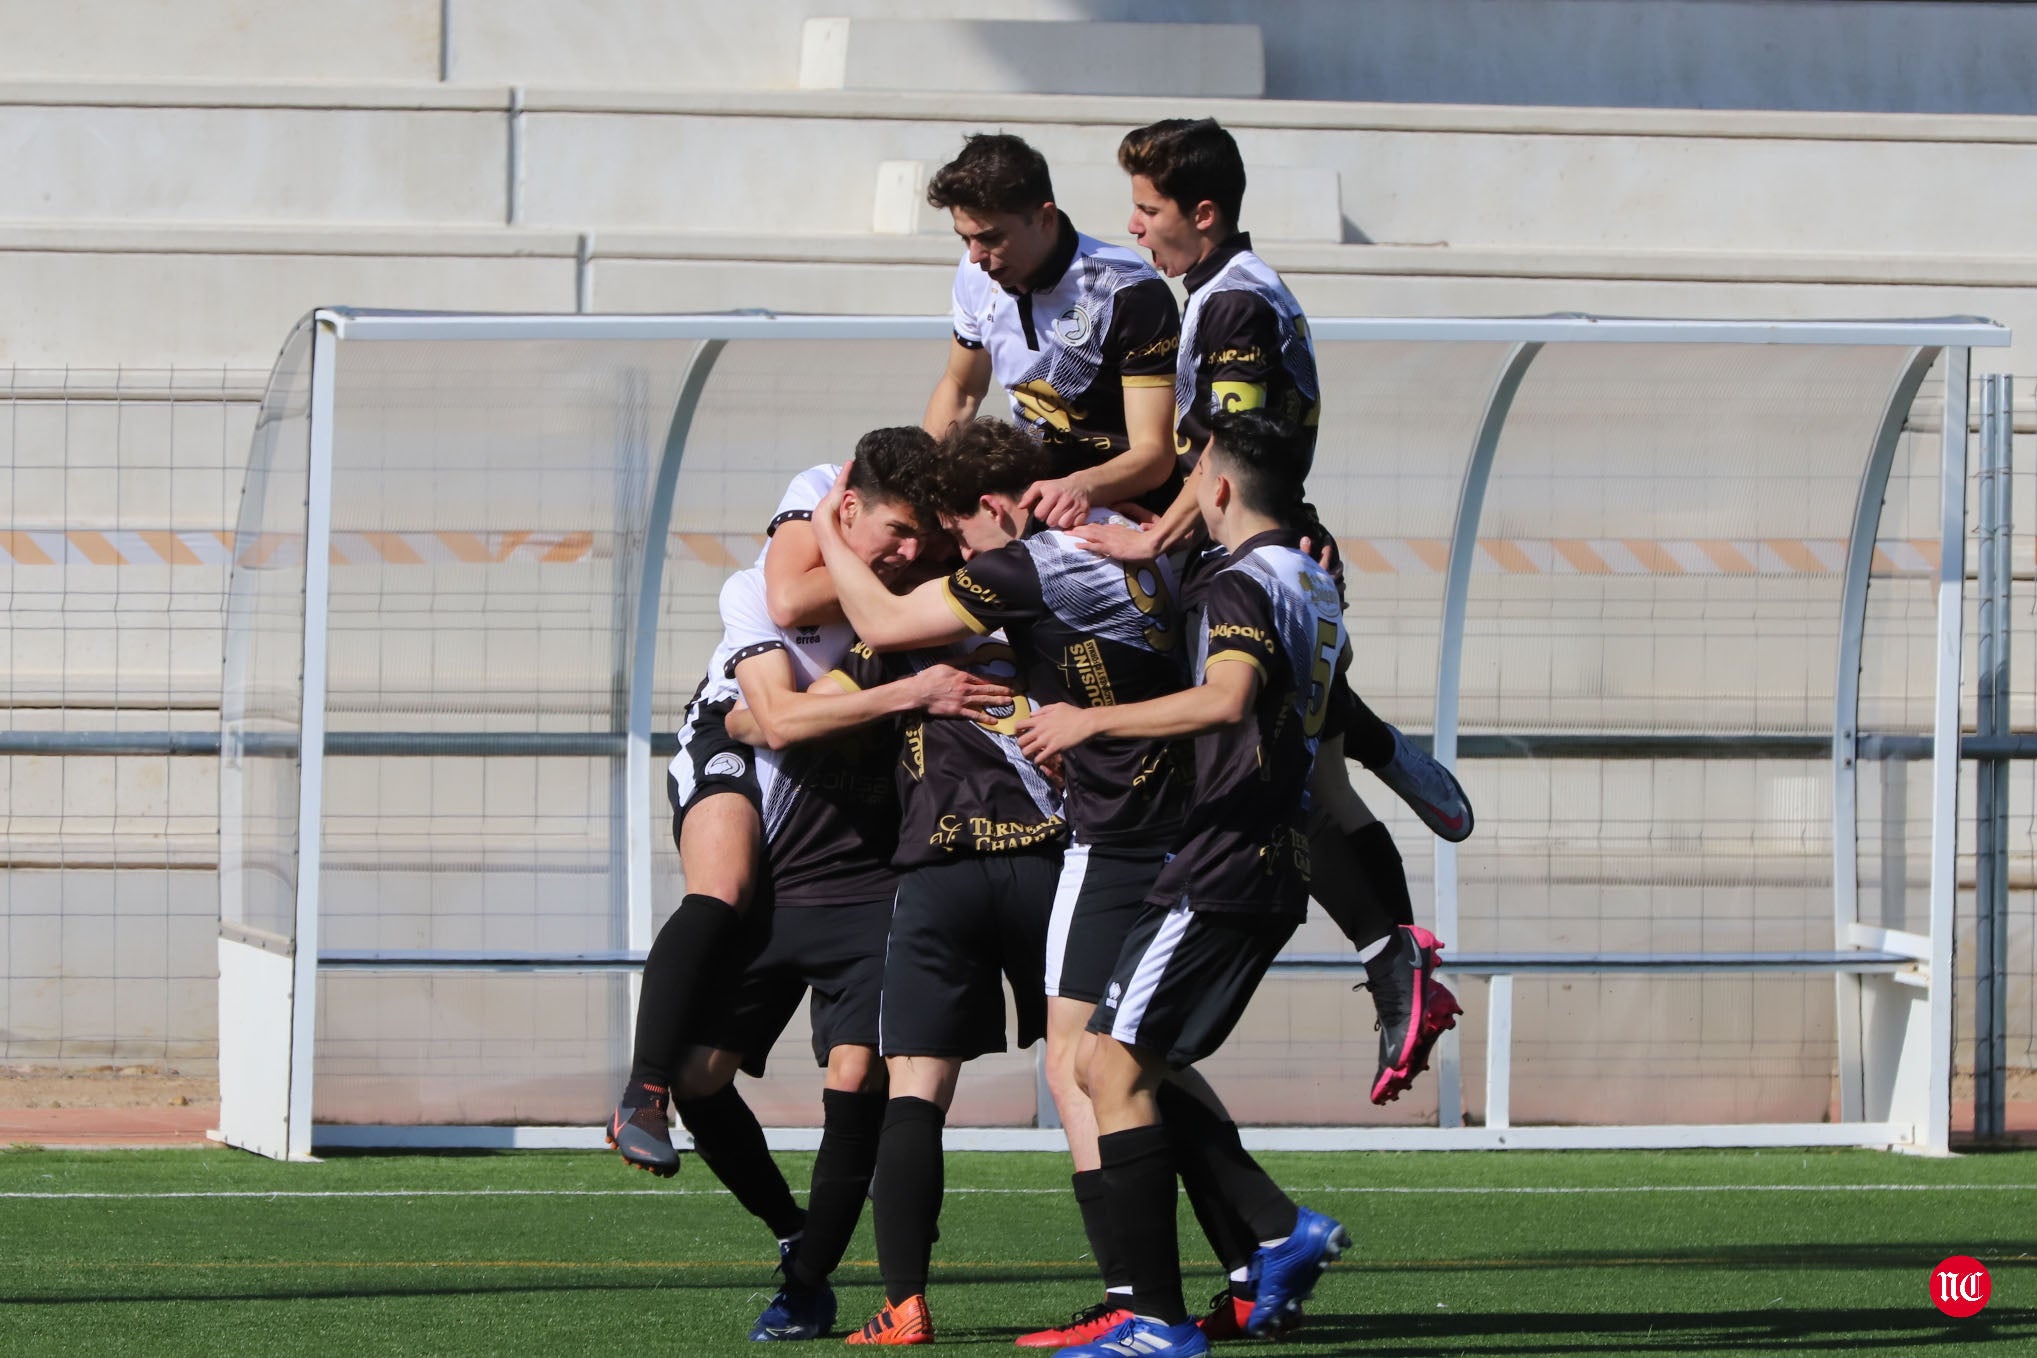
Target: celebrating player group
[1060,704]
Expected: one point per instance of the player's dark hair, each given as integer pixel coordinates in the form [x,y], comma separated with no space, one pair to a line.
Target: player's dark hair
[1266,458]
[996,172]
[893,464]
[1190,160]
[984,457]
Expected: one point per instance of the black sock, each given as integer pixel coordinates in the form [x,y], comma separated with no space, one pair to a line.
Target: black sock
[1341,882]
[679,957]
[1138,1185]
[910,1182]
[727,1135]
[1380,968]
[1226,1231]
[1096,1224]
[1384,873]
[1367,739]
[850,1126]
[1249,1191]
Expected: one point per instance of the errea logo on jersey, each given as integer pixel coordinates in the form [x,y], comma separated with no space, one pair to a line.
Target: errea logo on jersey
[807,636]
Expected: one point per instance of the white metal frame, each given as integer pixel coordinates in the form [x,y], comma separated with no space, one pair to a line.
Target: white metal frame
[1916,1071]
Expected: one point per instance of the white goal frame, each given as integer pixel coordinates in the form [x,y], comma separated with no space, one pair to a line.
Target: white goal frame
[1894,990]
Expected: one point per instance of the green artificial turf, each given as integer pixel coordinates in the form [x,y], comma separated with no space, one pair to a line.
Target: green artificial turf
[1760,1251]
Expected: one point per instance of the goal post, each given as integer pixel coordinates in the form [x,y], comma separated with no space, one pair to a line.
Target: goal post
[1634,578]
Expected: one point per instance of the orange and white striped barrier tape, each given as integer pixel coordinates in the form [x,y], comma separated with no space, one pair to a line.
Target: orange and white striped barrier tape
[1363,556]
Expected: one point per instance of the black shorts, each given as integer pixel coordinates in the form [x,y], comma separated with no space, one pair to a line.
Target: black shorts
[710,761]
[957,928]
[782,952]
[1100,897]
[1185,976]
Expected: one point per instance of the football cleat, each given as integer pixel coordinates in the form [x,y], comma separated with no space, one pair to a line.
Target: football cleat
[1227,1315]
[1429,789]
[1415,1009]
[796,1314]
[1286,1273]
[1139,1337]
[641,1129]
[1083,1326]
[906,1323]
[1439,1016]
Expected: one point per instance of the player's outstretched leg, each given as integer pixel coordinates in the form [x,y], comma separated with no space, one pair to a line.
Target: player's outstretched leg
[1415,1009]
[1430,790]
[1360,882]
[720,839]
[730,1141]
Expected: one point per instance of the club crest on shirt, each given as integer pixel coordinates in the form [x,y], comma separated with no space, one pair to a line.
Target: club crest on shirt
[727,764]
[1320,592]
[1073,325]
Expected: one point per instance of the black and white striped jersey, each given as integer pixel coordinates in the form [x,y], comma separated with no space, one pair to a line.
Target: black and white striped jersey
[1098,319]
[1244,346]
[1094,632]
[830,814]
[964,788]
[1243,844]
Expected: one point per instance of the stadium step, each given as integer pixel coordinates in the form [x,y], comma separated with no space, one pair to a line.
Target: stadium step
[1288,202]
[87,294]
[606,160]
[1032,56]
[628,44]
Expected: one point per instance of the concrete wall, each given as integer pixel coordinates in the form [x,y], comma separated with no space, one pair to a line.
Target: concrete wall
[204,219]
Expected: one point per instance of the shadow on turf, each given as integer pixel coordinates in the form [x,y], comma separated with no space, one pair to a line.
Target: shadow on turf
[1911,1328]
[1785,1258]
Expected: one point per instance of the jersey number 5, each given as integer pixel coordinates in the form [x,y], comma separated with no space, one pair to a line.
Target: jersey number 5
[1329,645]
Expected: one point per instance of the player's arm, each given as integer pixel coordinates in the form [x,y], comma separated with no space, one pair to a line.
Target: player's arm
[1223,698]
[1153,538]
[883,620]
[798,590]
[777,714]
[1143,342]
[1243,332]
[1146,463]
[960,392]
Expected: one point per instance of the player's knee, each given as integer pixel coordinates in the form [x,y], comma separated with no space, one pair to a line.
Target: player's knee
[855,1070]
[705,1071]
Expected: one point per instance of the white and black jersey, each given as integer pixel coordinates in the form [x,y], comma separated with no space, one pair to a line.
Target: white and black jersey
[802,496]
[1096,319]
[1243,845]
[1093,632]
[964,787]
[1244,346]
[828,809]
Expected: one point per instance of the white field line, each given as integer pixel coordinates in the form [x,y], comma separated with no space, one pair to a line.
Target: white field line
[1022,1192]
